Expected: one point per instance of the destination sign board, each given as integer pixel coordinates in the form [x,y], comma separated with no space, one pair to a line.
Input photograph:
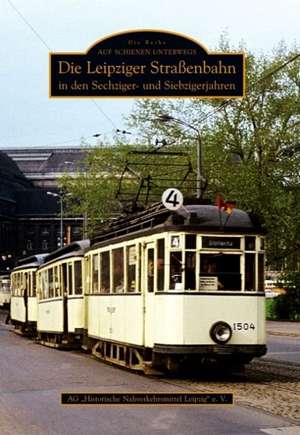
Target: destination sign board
[221,242]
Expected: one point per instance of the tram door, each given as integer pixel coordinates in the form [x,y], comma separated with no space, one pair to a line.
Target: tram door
[148,289]
[25,295]
[65,296]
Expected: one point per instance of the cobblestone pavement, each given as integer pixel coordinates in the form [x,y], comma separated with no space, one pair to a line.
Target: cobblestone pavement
[273,387]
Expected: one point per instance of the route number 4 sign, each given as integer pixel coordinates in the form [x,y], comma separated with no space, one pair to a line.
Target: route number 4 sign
[172,199]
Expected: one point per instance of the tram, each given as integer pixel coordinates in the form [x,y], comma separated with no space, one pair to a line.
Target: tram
[23,307]
[157,290]
[168,289]
[61,309]
[4,291]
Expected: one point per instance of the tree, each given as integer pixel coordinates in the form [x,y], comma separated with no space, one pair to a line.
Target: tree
[251,146]
[92,190]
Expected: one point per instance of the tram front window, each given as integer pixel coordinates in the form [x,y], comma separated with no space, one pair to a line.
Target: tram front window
[176,270]
[220,272]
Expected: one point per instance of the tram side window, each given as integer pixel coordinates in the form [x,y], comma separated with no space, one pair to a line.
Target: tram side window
[45,286]
[131,269]
[22,283]
[249,272]
[29,284]
[261,264]
[56,281]
[176,270]
[26,288]
[150,270]
[95,273]
[14,285]
[160,264]
[70,278]
[33,284]
[20,288]
[139,271]
[87,274]
[18,283]
[51,283]
[64,279]
[105,272]
[20,276]
[37,281]
[78,277]
[220,272]
[118,270]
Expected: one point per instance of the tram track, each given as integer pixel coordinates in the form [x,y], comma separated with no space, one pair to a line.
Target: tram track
[268,385]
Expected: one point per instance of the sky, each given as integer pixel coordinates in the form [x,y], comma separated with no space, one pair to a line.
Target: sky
[29,29]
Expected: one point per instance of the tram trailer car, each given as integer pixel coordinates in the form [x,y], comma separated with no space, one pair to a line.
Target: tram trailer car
[61,304]
[170,289]
[23,307]
[4,291]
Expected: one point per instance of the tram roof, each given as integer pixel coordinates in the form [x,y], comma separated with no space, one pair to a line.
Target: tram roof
[73,249]
[192,217]
[31,262]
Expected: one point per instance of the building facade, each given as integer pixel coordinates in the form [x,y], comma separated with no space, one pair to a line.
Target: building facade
[30,218]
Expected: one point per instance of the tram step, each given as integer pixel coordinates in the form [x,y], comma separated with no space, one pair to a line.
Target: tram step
[151,371]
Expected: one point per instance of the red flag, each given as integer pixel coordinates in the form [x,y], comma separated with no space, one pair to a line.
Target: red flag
[220,201]
[229,206]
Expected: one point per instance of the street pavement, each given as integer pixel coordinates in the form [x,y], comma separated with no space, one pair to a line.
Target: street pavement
[32,378]
[283,328]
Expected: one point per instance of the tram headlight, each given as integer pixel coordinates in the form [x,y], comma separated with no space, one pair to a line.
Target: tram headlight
[220,332]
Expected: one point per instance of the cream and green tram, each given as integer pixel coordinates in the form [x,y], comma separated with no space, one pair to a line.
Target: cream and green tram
[23,306]
[168,289]
[61,298]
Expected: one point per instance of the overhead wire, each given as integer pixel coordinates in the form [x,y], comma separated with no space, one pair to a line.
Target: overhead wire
[29,25]
[37,34]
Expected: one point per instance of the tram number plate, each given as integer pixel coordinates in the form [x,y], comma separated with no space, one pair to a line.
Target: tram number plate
[243,326]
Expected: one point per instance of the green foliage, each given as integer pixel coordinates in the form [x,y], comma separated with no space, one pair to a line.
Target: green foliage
[92,192]
[287,306]
[271,313]
[251,147]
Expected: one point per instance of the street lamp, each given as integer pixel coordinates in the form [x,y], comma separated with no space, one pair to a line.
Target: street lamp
[85,216]
[60,196]
[168,118]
